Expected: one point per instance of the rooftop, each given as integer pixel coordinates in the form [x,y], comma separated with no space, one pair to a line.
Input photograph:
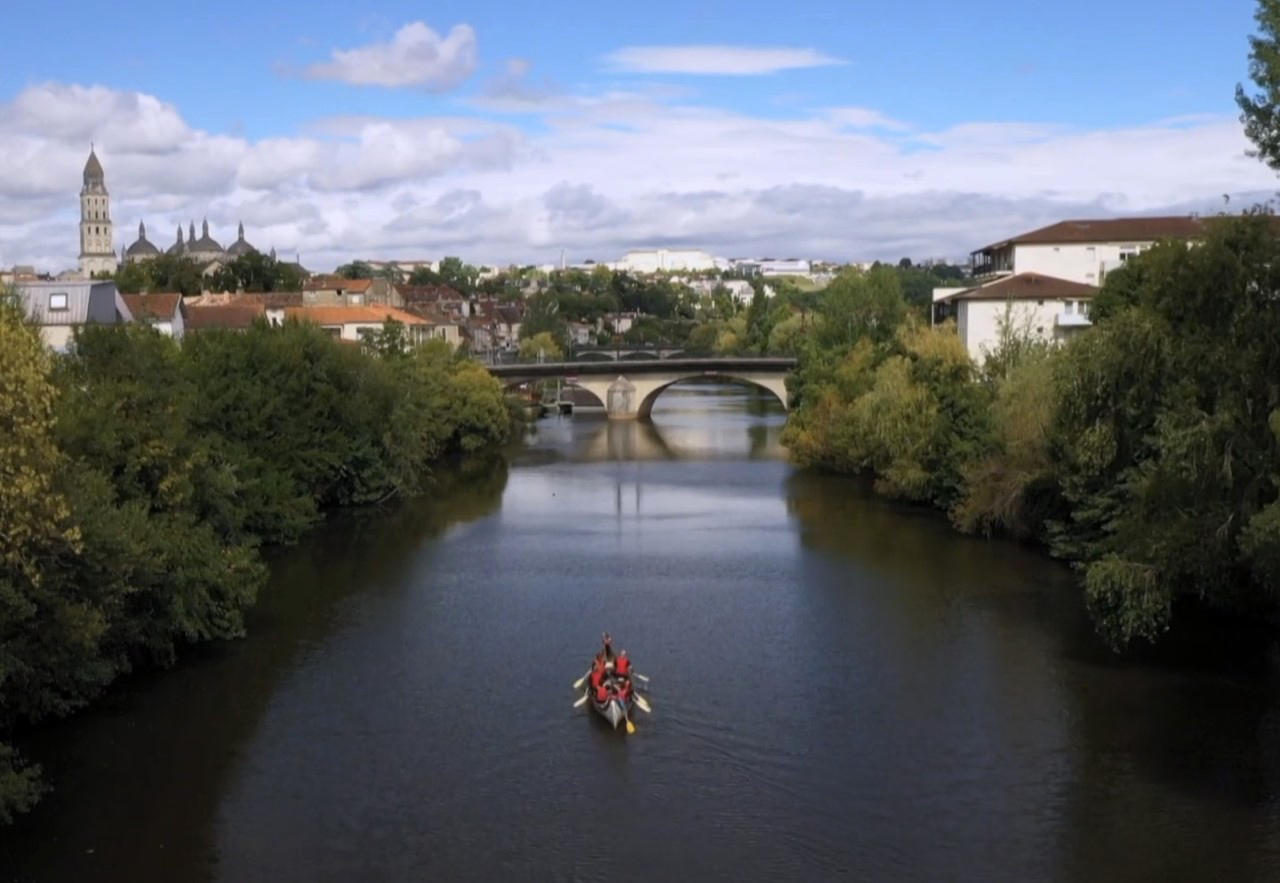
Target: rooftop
[1108,230]
[152,306]
[1027,286]
[231,316]
[348,315]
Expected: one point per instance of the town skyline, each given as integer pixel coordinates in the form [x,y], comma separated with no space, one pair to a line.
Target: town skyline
[394,137]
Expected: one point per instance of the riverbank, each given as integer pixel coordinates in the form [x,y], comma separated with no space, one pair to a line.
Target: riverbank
[147,477]
[1144,450]
[983,729]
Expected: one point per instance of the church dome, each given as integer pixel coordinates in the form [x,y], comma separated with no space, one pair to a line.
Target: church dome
[206,244]
[142,248]
[240,246]
[178,247]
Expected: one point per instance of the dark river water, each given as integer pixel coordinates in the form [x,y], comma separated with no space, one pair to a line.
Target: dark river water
[841,688]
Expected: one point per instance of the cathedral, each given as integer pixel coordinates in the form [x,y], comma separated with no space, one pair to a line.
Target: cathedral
[97,252]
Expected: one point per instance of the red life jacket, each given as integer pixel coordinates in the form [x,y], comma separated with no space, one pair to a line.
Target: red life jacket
[623,665]
[602,693]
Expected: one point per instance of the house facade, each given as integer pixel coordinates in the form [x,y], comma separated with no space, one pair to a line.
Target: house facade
[164,312]
[1081,251]
[61,306]
[1030,303]
[1044,281]
[352,323]
[338,291]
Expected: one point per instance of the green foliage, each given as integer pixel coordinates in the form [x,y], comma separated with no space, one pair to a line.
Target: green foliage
[1260,112]
[140,478]
[1146,451]
[541,347]
[1163,437]
[1009,487]
[256,272]
[903,410]
[162,273]
[355,270]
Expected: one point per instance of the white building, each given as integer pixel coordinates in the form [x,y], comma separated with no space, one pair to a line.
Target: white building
[1082,251]
[1049,308]
[1043,281]
[665,260]
[61,306]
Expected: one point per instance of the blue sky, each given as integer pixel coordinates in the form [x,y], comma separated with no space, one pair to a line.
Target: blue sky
[595,127]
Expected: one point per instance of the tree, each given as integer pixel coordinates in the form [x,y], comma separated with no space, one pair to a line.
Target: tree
[457,275]
[35,526]
[542,314]
[256,272]
[1260,112]
[424,276]
[1165,436]
[162,273]
[541,347]
[355,270]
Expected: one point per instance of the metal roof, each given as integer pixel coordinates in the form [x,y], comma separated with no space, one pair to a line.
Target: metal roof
[86,300]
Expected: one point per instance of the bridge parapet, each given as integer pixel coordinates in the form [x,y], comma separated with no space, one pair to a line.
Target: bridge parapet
[629,389]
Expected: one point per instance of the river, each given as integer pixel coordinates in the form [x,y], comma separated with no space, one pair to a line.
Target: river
[841,687]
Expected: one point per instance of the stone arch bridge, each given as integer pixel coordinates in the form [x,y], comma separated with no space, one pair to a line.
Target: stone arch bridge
[628,389]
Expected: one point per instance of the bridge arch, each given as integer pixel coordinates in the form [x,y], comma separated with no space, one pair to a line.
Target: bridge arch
[628,389]
[775,386]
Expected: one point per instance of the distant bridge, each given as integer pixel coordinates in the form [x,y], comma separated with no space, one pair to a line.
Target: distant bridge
[617,354]
[628,389]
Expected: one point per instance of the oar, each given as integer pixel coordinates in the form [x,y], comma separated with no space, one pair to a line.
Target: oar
[583,699]
[631,728]
[636,674]
[577,685]
[642,703]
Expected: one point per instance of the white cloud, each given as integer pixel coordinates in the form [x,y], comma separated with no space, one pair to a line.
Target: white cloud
[415,56]
[864,118]
[723,60]
[599,174]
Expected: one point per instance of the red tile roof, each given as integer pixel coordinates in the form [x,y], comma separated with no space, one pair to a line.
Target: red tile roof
[152,306]
[1109,230]
[326,283]
[1028,286]
[369,314]
[232,316]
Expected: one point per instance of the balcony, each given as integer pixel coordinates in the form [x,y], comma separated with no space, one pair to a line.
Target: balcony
[1072,320]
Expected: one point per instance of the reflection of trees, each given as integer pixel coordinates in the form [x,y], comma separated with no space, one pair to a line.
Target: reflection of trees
[1154,766]
[150,764]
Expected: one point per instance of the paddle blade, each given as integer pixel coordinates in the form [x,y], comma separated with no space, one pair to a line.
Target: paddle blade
[581,700]
[640,677]
[643,704]
[577,685]
[631,728]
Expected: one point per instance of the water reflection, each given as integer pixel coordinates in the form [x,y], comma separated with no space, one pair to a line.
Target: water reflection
[690,421]
[138,778]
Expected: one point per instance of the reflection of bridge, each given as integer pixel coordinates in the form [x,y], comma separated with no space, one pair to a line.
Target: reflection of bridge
[629,388]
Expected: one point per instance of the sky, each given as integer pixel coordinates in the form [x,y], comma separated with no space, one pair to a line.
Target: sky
[510,132]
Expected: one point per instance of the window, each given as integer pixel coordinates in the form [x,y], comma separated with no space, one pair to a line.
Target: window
[1084,308]
[57,302]
[1068,307]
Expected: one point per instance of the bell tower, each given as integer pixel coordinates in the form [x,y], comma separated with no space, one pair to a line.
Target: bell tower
[97,252]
